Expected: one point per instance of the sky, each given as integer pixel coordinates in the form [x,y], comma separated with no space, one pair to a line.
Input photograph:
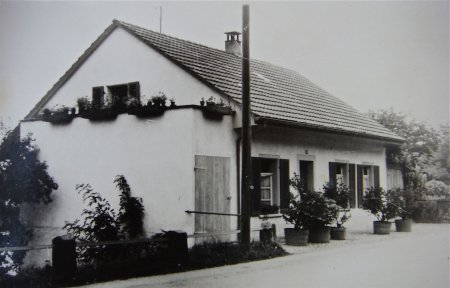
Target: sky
[371,54]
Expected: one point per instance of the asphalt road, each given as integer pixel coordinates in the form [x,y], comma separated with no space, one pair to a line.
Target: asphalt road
[417,259]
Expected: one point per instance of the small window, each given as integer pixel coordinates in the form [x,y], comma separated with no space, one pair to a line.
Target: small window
[121,94]
[341,174]
[266,188]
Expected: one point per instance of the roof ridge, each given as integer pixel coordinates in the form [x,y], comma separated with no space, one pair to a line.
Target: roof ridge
[121,23]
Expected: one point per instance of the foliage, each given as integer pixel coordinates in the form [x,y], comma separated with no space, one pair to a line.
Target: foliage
[439,167]
[403,201]
[309,209]
[99,224]
[378,202]
[84,104]
[158,100]
[415,154]
[211,254]
[437,188]
[341,195]
[23,179]
[102,224]
[269,209]
[131,213]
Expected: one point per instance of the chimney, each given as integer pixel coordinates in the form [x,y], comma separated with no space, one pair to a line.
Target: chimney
[233,45]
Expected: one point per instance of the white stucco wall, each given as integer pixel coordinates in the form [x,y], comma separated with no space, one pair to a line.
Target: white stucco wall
[321,148]
[121,59]
[156,156]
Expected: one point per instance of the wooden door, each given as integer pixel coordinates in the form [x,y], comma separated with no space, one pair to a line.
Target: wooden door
[212,194]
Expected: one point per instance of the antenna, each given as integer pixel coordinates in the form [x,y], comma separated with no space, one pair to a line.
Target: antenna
[160,18]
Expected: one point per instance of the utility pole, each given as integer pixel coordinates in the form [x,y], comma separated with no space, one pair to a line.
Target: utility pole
[246,131]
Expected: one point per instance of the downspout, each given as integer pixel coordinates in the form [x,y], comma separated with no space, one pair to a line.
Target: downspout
[238,178]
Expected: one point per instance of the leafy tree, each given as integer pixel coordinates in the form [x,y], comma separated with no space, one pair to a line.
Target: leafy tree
[23,179]
[101,223]
[439,167]
[415,154]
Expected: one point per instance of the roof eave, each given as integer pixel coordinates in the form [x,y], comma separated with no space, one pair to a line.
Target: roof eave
[291,124]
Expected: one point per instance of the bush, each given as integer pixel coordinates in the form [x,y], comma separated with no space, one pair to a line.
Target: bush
[102,224]
[309,209]
[212,254]
[379,204]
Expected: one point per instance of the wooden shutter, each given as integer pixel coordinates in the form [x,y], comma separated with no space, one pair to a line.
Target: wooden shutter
[352,185]
[134,90]
[284,184]
[359,175]
[97,97]
[376,176]
[256,182]
[212,189]
[332,173]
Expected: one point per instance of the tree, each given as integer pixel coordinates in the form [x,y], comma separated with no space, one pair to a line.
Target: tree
[23,179]
[415,154]
[102,224]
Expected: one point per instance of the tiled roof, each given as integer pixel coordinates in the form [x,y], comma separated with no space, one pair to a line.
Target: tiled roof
[277,93]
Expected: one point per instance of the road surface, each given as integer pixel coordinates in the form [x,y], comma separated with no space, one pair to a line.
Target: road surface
[417,259]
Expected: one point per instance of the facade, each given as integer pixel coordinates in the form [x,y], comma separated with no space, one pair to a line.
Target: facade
[184,160]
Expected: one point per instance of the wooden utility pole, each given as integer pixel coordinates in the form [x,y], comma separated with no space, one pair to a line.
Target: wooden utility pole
[246,131]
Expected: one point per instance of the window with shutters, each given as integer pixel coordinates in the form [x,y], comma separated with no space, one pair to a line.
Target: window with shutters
[270,181]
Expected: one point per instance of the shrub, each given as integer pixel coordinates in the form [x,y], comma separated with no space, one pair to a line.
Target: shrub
[341,195]
[102,224]
[211,254]
[379,204]
[309,209]
[23,179]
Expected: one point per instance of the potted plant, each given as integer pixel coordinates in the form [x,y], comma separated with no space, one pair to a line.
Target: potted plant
[378,203]
[215,110]
[340,194]
[311,213]
[58,115]
[403,200]
[83,104]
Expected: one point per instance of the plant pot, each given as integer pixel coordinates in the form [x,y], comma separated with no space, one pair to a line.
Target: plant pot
[319,235]
[296,237]
[337,233]
[148,111]
[403,225]
[381,227]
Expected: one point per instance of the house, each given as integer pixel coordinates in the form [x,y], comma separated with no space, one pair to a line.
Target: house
[185,160]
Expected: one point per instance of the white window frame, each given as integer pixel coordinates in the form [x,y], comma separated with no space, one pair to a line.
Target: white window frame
[270,175]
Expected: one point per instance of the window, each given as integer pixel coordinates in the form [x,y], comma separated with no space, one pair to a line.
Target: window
[307,174]
[344,173]
[119,95]
[266,189]
[270,179]
[367,176]
[341,174]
